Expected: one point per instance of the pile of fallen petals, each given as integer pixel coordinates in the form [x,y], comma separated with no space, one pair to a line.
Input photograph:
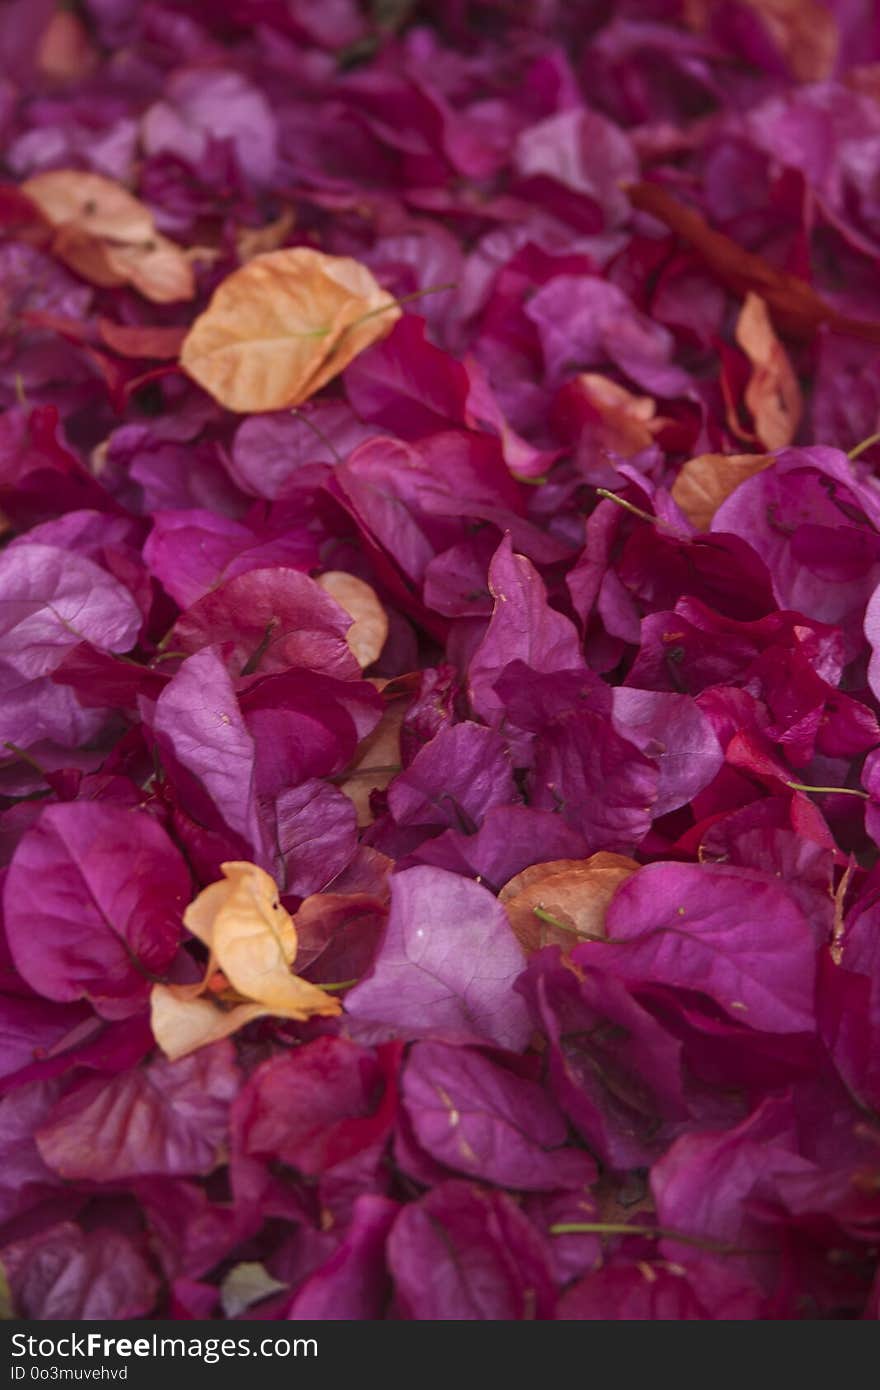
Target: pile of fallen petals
[440,659]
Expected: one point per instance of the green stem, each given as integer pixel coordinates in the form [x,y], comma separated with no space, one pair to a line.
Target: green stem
[829,791]
[389,769]
[404,299]
[170,656]
[256,657]
[319,432]
[25,757]
[552,921]
[622,1228]
[628,506]
[337,985]
[865,444]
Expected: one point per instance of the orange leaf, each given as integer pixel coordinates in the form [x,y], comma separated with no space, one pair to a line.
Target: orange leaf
[106,235]
[564,900]
[795,305]
[98,206]
[367,634]
[708,480]
[282,326]
[772,396]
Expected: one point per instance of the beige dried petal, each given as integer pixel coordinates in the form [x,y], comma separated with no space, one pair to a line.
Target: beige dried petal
[254,942]
[182,1023]
[377,761]
[200,915]
[245,1285]
[368,633]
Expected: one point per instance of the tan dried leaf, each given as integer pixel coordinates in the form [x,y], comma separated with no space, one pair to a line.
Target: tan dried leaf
[706,481]
[367,635]
[377,761]
[772,396]
[256,241]
[565,900]
[106,235]
[282,326]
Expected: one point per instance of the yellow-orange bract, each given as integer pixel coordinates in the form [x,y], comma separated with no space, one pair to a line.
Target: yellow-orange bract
[367,634]
[772,395]
[108,237]
[282,326]
[252,943]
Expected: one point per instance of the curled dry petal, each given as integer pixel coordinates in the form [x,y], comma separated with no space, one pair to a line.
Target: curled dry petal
[282,326]
[252,943]
[106,235]
[621,420]
[772,394]
[182,1021]
[559,902]
[367,635]
[256,241]
[708,480]
[377,761]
